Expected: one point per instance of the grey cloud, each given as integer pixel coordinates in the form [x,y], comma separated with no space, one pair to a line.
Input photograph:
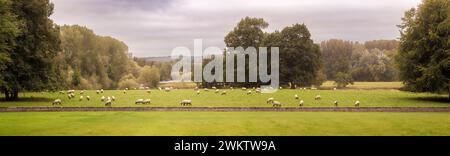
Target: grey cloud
[154,28]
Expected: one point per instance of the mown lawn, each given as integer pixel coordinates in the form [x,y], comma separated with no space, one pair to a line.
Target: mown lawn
[224,123]
[238,98]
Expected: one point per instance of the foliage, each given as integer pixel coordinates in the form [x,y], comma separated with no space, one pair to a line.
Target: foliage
[343,79]
[30,52]
[424,54]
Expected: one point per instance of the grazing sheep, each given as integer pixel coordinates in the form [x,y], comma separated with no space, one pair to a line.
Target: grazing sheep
[214,87]
[147,87]
[98,91]
[334,88]
[147,101]
[81,98]
[101,91]
[270,100]
[258,90]
[196,88]
[217,91]
[231,88]
[243,88]
[57,102]
[357,104]
[186,103]
[206,89]
[276,104]
[160,89]
[82,92]
[281,88]
[296,97]
[249,92]
[336,103]
[167,89]
[108,99]
[102,98]
[223,93]
[126,88]
[108,103]
[302,103]
[113,98]
[61,92]
[198,92]
[139,101]
[88,98]
[149,91]
[69,96]
[318,97]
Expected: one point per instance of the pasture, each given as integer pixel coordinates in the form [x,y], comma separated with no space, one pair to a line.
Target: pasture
[238,98]
[224,123]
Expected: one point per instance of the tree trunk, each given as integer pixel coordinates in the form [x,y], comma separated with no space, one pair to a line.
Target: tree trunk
[11,95]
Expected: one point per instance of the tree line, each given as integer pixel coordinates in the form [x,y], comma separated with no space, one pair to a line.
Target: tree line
[36,54]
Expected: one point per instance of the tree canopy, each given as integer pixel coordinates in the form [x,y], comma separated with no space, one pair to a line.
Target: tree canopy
[424,54]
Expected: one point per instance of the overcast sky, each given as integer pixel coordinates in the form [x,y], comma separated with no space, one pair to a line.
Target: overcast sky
[155,27]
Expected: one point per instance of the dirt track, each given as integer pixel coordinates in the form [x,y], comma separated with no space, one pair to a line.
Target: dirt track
[226,109]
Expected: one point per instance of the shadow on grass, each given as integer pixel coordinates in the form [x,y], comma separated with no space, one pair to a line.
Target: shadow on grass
[28,99]
[438,99]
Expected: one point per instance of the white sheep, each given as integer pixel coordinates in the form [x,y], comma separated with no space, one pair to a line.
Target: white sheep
[270,100]
[217,91]
[336,103]
[167,89]
[214,87]
[81,98]
[302,103]
[88,98]
[243,88]
[124,91]
[296,97]
[102,98]
[357,103]
[198,92]
[334,88]
[149,91]
[101,91]
[139,101]
[126,88]
[223,93]
[82,92]
[108,99]
[186,102]
[147,101]
[276,104]
[249,92]
[98,91]
[57,102]
[108,103]
[206,89]
[113,98]
[318,97]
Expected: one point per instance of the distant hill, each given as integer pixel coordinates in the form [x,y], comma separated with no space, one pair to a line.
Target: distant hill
[158,59]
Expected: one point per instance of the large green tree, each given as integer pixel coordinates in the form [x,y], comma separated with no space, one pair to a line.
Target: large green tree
[300,58]
[248,33]
[30,66]
[424,54]
[8,33]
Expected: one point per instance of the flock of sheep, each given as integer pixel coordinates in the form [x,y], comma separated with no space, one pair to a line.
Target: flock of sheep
[107,101]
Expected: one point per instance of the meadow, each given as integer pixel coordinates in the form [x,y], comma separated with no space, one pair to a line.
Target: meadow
[238,98]
[224,124]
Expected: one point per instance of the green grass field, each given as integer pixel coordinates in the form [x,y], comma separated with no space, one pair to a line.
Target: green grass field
[238,98]
[224,123]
